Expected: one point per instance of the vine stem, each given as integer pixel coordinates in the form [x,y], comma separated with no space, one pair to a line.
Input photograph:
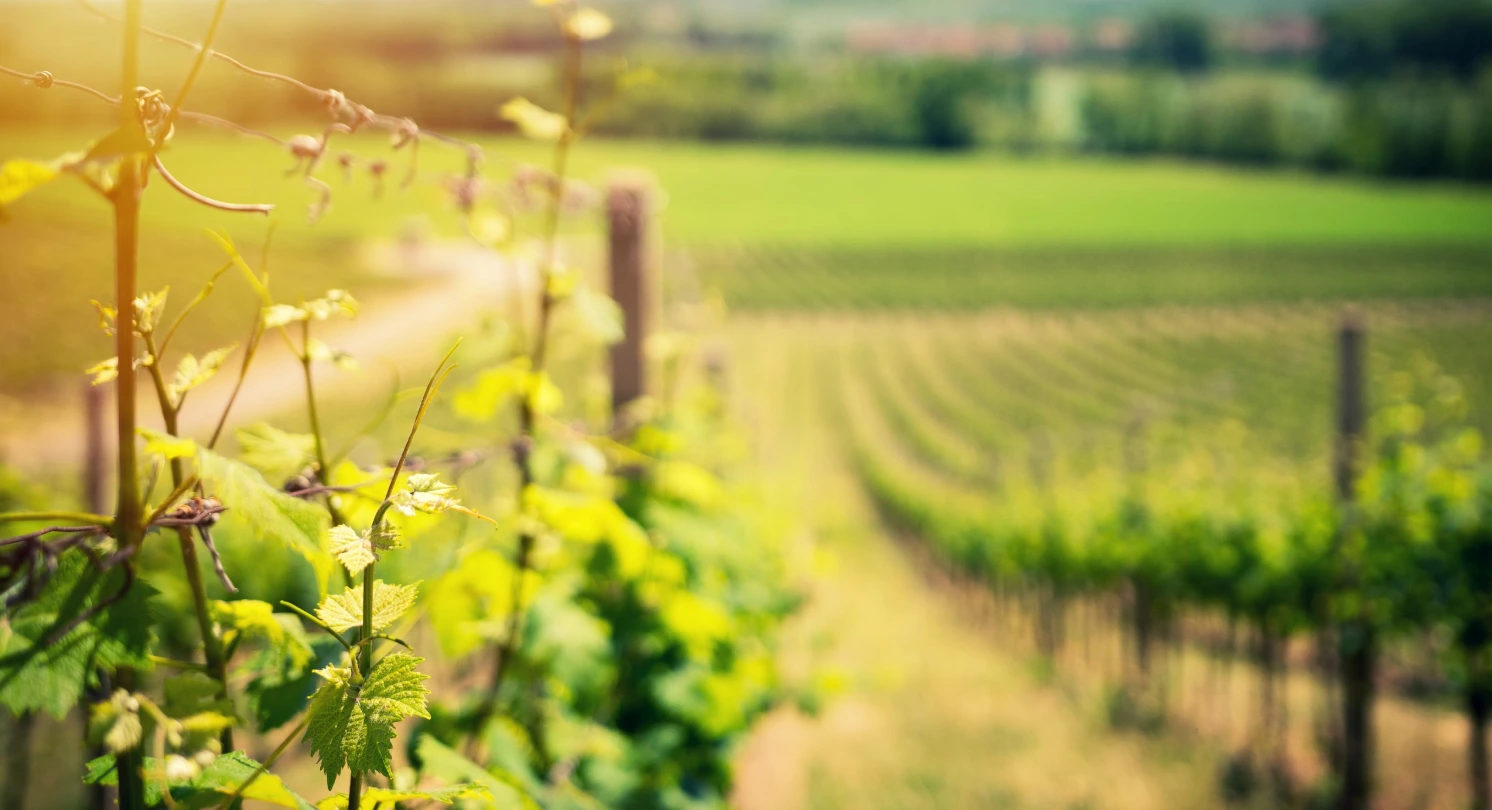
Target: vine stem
[212,647]
[304,355]
[526,416]
[126,202]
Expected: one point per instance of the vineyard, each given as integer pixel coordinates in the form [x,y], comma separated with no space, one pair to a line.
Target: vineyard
[1143,500]
[417,469]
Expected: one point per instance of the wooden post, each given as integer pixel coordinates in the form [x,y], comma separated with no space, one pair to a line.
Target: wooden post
[1356,636]
[628,213]
[95,460]
[95,493]
[1351,404]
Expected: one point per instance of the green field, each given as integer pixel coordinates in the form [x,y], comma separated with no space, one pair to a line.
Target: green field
[779,228]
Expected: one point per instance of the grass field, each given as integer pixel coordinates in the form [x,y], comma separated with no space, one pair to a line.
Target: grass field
[787,228]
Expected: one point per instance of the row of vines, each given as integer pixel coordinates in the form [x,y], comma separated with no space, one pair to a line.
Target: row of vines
[1159,485]
[499,589]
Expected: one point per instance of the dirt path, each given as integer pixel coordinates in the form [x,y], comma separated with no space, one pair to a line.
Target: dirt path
[934,713]
[458,284]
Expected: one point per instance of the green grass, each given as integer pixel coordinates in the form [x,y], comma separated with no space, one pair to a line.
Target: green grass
[774,228]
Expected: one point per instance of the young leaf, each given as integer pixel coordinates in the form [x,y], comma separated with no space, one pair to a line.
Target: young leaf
[116,722]
[39,673]
[357,550]
[148,308]
[276,315]
[534,121]
[345,610]
[492,390]
[322,353]
[335,302]
[104,371]
[17,177]
[274,452]
[355,728]
[191,372]
[424,492]
[165,445]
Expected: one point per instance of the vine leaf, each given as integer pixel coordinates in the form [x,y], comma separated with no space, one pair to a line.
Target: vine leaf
[18,177]
[534,121]
[192,372]
[116,722]
[218,779]
[386,799]
[41,673]
[165,445]
[274,452]
[442,762]
[260,510]
[353,728]
[344,611]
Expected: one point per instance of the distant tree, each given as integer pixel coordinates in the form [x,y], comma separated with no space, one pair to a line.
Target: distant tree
[943,93]
[1378,39]
[1178,40]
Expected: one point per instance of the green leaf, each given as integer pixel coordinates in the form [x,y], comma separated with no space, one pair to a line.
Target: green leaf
[104,371]
[148,309]
[17,177]
[424,492]
[192,693]
[260,510]
[534,121]
[285,646]
[220,779]
[335,302]
[352,549]
[492,391]
[127,140]
[354,728]
[344,611]
[274,452]
[191,372]
[116,722]
[278,695]
[276,315]
[469,604]
[443,763]
[376,798]
[37,673]
[165,445]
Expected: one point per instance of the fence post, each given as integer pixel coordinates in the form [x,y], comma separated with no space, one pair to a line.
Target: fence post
[628,212]
[95,493]
[1356,636]
[95,470]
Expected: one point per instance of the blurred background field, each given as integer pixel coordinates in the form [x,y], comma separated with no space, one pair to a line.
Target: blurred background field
[974,253]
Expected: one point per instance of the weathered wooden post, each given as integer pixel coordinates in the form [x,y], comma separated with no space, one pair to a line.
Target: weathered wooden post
[1356,636]
[95,460]
[628,213]
[95,493]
